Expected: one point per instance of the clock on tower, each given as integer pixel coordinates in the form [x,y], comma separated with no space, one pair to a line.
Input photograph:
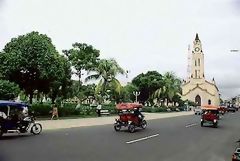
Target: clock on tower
[197,49]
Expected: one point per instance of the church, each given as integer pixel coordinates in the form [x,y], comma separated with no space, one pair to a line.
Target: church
[196,88]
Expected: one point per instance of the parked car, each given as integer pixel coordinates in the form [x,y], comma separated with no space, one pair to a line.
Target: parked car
[231,109]
[236,155]
[198,111]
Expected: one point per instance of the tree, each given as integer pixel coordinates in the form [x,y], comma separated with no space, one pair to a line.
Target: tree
[8,90]
[170,89]
[82,57]
[106,72]
[61,85]
[147,84]
[128,92]
[30,61]
[86,92]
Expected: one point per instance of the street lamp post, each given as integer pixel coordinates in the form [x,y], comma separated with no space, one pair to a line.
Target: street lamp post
[136,94]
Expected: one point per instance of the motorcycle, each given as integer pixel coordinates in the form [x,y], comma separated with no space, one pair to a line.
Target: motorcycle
[10,124]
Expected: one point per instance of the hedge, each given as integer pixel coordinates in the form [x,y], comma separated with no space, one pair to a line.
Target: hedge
[69,109]
[72,109]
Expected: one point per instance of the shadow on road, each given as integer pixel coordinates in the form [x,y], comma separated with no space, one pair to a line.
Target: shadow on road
[15,136]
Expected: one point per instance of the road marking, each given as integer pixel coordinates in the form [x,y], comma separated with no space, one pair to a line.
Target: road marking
[190,125]
[141,139]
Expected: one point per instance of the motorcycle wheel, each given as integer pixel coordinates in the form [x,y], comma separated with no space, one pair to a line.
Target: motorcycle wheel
[117,127]
[215,125]
[144,124]
[131,128]
[36,129]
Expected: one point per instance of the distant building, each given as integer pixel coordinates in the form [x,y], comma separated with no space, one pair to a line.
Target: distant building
[236,101]
[196,88]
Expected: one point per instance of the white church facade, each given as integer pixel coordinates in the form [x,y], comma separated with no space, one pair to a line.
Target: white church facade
[196,88]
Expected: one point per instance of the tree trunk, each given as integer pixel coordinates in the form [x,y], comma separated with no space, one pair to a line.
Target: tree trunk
[79,80]
[31,97]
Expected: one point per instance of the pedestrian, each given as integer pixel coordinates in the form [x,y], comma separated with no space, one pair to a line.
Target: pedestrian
[99,107]
[54,111]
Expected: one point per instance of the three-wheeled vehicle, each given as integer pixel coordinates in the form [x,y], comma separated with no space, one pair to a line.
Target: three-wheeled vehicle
[222,110]
[130,117]
[210,115]
[14,117]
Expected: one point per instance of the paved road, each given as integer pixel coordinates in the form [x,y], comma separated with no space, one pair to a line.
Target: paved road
[180,138]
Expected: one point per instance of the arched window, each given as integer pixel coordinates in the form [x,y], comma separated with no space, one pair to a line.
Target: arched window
[198,62]
[195,62]
[195,73]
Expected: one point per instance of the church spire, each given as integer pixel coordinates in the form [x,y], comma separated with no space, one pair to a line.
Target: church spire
[197,38]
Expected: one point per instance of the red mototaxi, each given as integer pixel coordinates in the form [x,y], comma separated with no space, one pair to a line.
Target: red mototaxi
[210,115]
[128,117]
[222,110]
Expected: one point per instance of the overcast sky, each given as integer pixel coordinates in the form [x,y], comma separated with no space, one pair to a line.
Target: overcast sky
[141,35]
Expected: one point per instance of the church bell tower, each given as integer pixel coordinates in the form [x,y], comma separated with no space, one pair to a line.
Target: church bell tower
[197,67]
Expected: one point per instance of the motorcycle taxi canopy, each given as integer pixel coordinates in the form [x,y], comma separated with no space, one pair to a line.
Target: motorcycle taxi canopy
[209,107]
[128,106]
[12,104]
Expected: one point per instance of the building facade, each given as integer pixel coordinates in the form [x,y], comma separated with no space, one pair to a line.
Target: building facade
[196,88]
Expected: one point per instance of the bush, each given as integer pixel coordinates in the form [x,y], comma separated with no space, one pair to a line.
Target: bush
[154,109]
[41,109]
[111,107]
[8,90]
[71,109]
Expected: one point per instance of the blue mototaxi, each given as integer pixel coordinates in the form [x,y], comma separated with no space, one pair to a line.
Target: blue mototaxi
[14,117]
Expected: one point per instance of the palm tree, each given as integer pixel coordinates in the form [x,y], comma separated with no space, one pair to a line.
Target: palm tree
[106,71]
[171,87]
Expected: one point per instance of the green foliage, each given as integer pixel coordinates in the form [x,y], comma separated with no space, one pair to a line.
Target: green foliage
[126,94]
[82,92]
[41,109]
[8,90]
[190,103]
[147,84]
[60,87]
[82,57]
[154,109]
[170,90]
[31,61]
[106,71]
[70,109]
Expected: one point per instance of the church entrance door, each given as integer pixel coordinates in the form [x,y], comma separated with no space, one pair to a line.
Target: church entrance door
[198,100]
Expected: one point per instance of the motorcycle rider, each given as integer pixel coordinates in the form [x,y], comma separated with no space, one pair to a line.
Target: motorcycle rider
[138,114]
[3,115]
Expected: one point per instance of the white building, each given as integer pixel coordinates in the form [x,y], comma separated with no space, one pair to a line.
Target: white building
[197,89]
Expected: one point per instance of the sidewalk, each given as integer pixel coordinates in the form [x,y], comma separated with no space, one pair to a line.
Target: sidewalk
[70,123]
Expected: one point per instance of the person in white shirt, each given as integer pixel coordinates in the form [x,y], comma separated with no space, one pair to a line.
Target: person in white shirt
[3,115]
[99,107]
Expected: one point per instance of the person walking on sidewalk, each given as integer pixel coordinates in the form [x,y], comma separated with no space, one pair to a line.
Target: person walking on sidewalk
[99,107]
[54,111]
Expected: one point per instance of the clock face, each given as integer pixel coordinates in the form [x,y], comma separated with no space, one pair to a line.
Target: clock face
[197,49]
